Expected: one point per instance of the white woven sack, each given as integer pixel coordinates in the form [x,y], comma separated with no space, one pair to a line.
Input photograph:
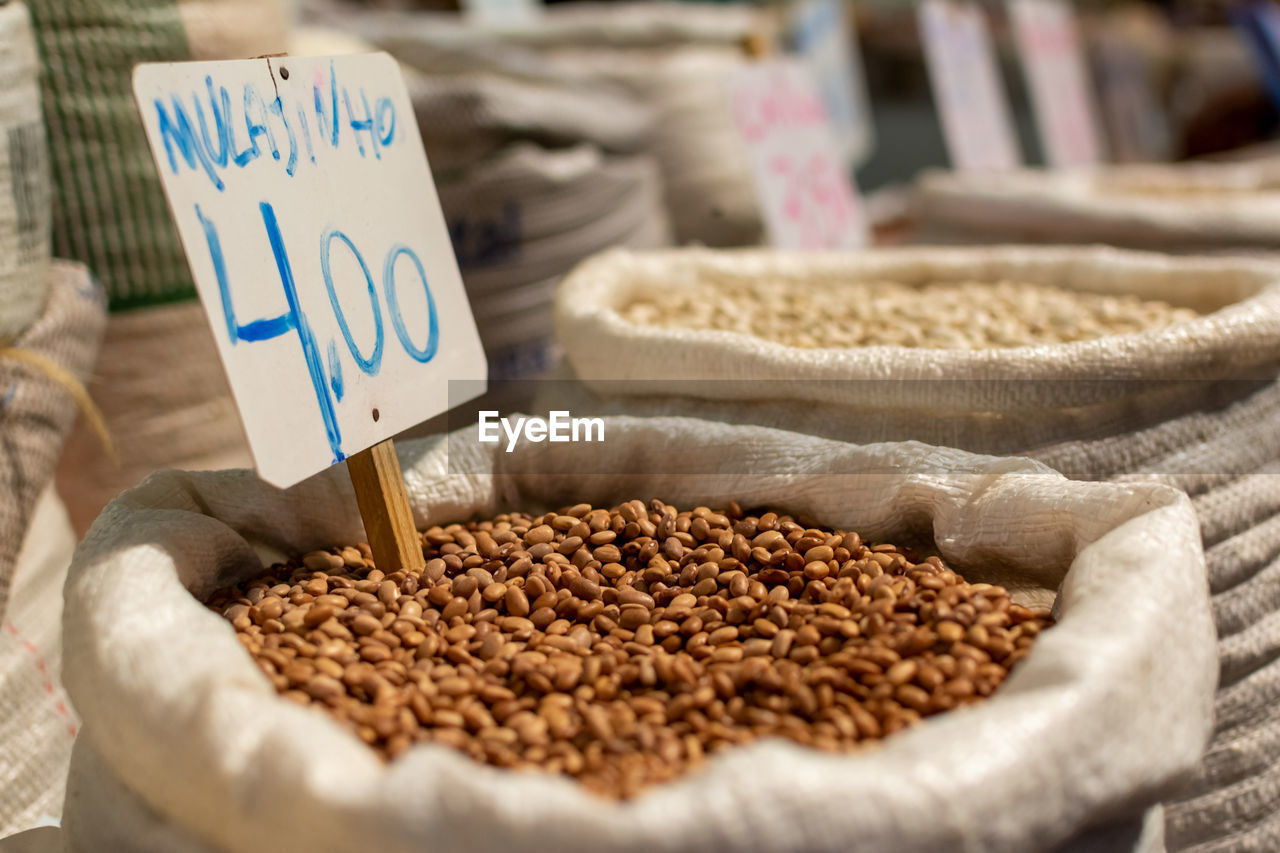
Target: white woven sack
[24,178]
[1237,336]
[528,216]
[710,194]
[184,738]
[1182,208]
[37,724]
[675,60]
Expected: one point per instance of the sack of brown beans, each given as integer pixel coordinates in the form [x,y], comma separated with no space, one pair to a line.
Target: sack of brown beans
[692,647]
[1198,207]
[1105,364]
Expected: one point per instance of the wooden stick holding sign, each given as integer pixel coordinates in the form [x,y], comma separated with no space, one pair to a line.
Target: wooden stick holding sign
[310,171]
[384,507]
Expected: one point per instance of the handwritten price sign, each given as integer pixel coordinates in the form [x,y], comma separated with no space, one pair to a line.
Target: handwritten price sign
[304,202]
[966,86]
[1045,31]
[799,170]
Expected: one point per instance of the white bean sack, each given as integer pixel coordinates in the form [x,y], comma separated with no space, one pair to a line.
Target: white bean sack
[1238,334]
[1182,208]
[186,746]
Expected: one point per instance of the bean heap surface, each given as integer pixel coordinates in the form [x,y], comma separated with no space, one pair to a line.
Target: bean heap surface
[943,315]
[624,646]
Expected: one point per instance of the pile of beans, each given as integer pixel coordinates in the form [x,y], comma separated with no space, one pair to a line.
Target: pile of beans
[622,646]
[942,315]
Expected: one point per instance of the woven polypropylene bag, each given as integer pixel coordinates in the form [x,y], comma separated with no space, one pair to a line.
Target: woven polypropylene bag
[1184,208]
[527,216]
[37,724]
[24,178]
[108,208]
[37,409]
[184,737]
[674,60]
[1194,405]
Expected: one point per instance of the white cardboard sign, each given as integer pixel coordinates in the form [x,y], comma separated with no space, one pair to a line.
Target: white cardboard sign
[800,174]
[966,87]
[302,195]
[1045,32]
[821,35]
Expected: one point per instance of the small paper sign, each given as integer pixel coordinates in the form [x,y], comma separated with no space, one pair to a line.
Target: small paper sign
[1045,32]
[303,198]
[967,88]
[801,178]
[820,33]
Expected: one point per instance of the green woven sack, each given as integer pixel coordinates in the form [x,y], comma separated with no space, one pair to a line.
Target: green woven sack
[108,207]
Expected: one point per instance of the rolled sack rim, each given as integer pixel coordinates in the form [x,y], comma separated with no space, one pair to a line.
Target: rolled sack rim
[1239,338]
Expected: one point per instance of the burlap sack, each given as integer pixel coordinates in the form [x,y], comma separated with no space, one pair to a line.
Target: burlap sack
[108,207]
[37,723]
[186,746]
[24,178]
[1194,406]
[1201,207]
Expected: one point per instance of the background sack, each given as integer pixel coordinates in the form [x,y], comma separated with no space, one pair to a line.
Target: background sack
[672,60]
[108,207]
[1197,207]
[526,217]
[1195,406]
[36,412]
[159,383]
[24,178]
[1104,716]
[37,724]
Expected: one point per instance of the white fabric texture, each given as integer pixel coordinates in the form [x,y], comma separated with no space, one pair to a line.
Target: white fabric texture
[672,60]
[1208,426]
[24,178]
[1238,337]
[1111,708]
[1174,208]
[524,218]
[37,724]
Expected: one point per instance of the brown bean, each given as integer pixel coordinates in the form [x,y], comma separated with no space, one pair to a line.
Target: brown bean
[621,646]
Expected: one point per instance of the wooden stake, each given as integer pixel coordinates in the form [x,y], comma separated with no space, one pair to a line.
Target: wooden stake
[384,506]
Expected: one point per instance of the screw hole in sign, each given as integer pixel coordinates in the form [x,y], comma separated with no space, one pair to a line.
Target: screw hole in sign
[376,414]
[284,73]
